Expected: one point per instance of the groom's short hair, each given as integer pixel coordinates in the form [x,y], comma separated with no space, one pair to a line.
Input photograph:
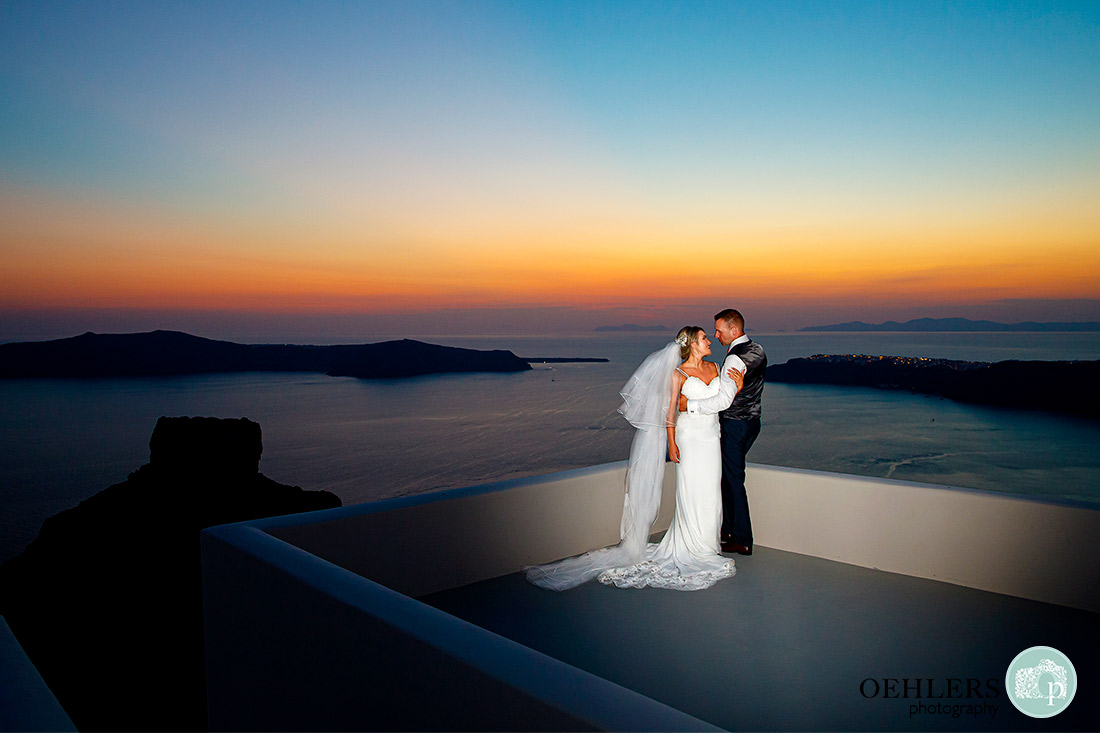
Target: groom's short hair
[731,315]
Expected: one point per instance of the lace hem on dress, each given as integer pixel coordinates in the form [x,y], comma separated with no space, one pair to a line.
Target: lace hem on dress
[650,574]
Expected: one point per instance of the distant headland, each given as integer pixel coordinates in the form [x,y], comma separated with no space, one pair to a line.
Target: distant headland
[169,353]
[958,324]
[1057,386]
[631,327]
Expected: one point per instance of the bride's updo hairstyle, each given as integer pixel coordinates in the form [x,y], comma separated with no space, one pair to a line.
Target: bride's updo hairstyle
[685,338]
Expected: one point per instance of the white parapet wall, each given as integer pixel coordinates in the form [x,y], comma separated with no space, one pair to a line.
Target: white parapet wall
[26,703]
[312,621]
[295,642]
[423,544]
[1003,543]
[980,539]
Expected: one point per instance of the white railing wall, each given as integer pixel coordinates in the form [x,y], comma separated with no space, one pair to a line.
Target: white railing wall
[26,703]
[1003,543]
[423,544]
[294,642]
[998,542]
[311,619]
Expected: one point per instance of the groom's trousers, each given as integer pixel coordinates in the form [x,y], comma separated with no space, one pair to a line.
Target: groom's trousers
[737,437]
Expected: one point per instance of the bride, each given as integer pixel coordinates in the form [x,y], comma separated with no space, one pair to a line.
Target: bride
[687,557]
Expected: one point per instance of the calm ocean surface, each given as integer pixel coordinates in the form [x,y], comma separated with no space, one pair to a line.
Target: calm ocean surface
[64,440]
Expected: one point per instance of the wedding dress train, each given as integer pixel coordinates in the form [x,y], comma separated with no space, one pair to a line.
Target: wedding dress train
[688,556]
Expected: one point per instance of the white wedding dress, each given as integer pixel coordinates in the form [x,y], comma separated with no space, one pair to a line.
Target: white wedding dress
[687,557]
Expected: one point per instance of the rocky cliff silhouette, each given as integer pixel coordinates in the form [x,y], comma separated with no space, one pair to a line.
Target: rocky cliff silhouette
[1055,386]
[107,600]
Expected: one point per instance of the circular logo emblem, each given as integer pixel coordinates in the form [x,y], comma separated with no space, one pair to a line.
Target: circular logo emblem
[1041,681]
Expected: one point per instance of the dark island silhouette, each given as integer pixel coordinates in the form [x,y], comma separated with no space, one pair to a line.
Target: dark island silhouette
[1056,386]
[169,353]
[107,600]
[959,325]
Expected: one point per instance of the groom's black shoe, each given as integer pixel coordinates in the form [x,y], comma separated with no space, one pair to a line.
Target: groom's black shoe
[733,547]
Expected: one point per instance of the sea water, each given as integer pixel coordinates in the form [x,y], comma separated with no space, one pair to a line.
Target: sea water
[364,440]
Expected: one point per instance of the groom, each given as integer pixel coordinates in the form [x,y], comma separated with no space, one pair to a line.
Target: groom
[739,416]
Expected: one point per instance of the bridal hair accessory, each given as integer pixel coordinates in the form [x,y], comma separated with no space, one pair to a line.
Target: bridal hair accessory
[682,340]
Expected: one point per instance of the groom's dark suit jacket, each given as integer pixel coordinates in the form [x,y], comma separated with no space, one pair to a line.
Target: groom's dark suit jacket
[746,405]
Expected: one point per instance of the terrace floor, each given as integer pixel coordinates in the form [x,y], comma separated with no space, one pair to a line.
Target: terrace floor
[787,643]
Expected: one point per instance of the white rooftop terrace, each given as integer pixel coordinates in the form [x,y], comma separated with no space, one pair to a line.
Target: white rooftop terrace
[412,613]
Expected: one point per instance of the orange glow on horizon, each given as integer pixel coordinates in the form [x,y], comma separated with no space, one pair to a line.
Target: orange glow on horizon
[86,253]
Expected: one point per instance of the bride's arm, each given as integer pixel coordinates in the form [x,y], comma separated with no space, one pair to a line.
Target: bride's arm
[670,418]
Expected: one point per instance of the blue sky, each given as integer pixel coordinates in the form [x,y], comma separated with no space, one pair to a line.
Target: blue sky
[397,157]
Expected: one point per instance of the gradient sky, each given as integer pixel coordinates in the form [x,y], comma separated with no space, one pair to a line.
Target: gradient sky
[563,163]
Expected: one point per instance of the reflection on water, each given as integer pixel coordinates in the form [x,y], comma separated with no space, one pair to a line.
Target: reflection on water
[64,440]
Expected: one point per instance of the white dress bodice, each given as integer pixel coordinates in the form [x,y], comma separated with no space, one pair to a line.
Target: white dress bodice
[696,389]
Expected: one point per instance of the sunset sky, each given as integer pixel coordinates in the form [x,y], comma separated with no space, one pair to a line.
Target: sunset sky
[544,166]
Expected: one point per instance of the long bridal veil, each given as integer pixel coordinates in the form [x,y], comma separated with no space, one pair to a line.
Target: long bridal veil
[646,403]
